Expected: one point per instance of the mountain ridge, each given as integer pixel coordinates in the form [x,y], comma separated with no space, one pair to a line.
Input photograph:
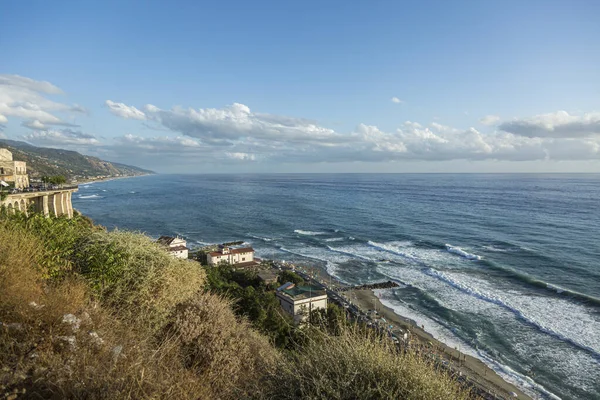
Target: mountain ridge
[71,164]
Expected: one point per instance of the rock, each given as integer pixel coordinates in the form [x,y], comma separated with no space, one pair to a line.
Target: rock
[70,340]
[72,320]
[97,340]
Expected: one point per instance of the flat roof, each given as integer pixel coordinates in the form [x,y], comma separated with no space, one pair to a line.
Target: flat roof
[243,250]
[303,292]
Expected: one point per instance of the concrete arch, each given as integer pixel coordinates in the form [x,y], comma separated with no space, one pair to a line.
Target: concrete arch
[10,208]
[23,206]
[17,208]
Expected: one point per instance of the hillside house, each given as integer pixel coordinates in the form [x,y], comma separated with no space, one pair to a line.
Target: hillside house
[176,246]
[299,301]
[13,171]
[231,256]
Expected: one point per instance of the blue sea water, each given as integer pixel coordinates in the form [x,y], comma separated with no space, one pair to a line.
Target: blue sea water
[506,267]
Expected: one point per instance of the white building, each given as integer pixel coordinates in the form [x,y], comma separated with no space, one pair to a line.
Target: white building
[299,301]
[176,246]
[231,256]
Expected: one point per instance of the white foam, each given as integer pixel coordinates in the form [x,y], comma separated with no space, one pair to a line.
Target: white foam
[264,239]
[462,253]
[335,239]
[308,233]
[91,196]
[132,192]
[576,324]
[525,383]
[446,336]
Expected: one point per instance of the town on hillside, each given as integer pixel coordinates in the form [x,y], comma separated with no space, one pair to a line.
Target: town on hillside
[19,193]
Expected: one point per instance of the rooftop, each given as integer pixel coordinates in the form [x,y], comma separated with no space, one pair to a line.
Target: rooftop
[234,251]
[303,292]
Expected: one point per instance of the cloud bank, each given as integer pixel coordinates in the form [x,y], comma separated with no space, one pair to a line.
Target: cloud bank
[237,134]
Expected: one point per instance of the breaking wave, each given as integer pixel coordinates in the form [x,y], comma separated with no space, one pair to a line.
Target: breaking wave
[308,233]
[518,312]
[396,249]
[91,196]
[462,253]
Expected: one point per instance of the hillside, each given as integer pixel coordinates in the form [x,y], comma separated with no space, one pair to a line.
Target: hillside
[91,314]
[47,161]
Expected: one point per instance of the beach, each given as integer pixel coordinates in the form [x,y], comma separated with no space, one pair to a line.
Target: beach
[491,289]
[470,366]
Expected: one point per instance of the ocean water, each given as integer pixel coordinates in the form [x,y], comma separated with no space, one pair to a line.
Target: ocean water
[506,267]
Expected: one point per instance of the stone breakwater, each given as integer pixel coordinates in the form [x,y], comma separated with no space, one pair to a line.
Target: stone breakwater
[371,286]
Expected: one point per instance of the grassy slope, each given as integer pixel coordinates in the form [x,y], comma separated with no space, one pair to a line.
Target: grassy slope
[90,314]
[47,161]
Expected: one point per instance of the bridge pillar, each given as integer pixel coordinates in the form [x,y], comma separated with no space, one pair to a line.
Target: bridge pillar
[52,203]
[44,206]
[69,204]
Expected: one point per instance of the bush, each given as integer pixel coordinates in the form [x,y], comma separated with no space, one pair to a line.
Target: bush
[354,366]
[134,275]
[225,352]
[289,276]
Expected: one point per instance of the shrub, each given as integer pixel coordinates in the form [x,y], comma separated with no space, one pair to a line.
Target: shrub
[132,274]
[225,352]
[354,366]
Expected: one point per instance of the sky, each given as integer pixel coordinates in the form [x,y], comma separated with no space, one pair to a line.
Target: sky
[311,86]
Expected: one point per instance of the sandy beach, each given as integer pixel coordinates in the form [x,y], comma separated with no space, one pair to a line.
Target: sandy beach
[471,367]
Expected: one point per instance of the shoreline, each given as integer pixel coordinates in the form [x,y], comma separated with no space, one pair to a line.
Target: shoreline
[472,367]
[112,178]
[468,365]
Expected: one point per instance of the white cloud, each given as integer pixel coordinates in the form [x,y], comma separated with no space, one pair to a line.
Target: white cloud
[236,132]
[25,98]
[489,120]
[396,100]
[241,156]
[124,111]
[236,122]
[62,137]
[34,124]
[29,84]
[3,119]
[560,124]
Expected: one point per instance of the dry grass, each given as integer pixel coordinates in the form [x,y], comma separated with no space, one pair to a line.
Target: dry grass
[229,356]
[145,329]
[133,274]
[355,366]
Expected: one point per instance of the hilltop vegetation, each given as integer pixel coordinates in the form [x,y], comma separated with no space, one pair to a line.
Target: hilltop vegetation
[42,161]
[86,313]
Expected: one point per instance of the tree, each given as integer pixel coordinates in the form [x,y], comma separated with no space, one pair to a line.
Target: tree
[289,276]
[58,180]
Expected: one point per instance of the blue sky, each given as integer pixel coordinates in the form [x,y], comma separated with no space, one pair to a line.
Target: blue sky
[481,86]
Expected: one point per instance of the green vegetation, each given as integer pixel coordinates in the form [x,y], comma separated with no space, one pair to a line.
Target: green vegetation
[42,161]
[54,180]
[289,276]
[87,313]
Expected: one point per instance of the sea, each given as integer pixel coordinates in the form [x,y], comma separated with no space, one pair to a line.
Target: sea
[505,268]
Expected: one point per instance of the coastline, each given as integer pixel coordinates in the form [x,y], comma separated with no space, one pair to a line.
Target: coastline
[473,368]
[468,365]
[112,178]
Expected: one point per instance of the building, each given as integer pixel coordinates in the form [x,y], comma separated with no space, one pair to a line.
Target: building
[13,171]
[268,277]
[231,256]
[49,201]
[299,301]
[176,246]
